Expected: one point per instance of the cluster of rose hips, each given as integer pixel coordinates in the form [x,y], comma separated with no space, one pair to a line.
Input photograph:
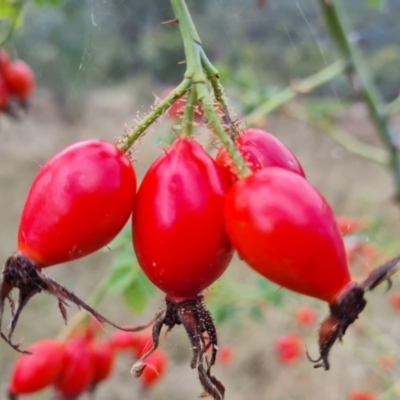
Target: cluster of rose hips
[17,82]
[79,363]
[190,214]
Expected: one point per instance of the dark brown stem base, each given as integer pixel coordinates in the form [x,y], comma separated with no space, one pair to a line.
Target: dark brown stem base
[347,308]
[21,274]
[199,326]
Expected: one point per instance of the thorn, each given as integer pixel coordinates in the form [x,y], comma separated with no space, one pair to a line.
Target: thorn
[170,21]
[182,62]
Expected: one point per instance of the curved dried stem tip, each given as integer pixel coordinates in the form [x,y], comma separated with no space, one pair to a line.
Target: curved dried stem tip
[347,308]
[20,273]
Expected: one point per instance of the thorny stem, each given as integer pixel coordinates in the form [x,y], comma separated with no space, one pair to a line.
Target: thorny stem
[195,73]
[213,77]
[195,80]
[187,121]
[306,85]
[127,141]
[338,30]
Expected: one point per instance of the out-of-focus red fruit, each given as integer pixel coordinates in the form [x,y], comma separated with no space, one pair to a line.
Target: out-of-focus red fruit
[88,330]
[349,225]
[79,370]
[122,340]
[226,355]
[103,357]
[394,300]
[20,79]
[144,344]
[260,149]
[4,94]
[32,373]
[177,109]
[305,316]
[362,395]
[289,348]
[386,362]
[156,365]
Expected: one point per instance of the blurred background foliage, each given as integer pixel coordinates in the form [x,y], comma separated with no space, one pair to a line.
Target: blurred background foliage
[84,44]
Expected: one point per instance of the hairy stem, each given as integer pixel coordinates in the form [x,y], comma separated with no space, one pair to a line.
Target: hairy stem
[127,141]
[195,73]
[187,121]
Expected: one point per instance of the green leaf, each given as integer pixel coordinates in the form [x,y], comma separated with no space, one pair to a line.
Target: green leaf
[376,3]
[136,297]
[121,277]
[271,292]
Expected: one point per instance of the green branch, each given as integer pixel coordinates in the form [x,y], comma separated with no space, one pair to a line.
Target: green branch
[334,20]
[304,86]
[128,139]
[351,144]
[393,107]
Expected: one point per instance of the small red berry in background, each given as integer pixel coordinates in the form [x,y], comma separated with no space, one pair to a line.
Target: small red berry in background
[386,362]
[34,372]
[394,300]
[20,79]
[79,371]
[177,109]
[144,343]
[156,364]
[289,348]
[4,93]
[306,316]
[88,330]
[362,395]
[226,355]
[349,225]
[122,340]
[103,358]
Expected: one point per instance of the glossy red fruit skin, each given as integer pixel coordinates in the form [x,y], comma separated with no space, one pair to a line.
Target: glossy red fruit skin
[157,363]
[20,79]
[261,150]
[178,229]
[32,373]
[79,371]
[104,357]
[283,228]
[79,201]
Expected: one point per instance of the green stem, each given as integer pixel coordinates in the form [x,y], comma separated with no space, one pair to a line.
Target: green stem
[127,140]
[336,26]
[304,86]
[219,129]
[191,41]
[195,73]
[394,106]
[348,142]
[213,77]
[187,121]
